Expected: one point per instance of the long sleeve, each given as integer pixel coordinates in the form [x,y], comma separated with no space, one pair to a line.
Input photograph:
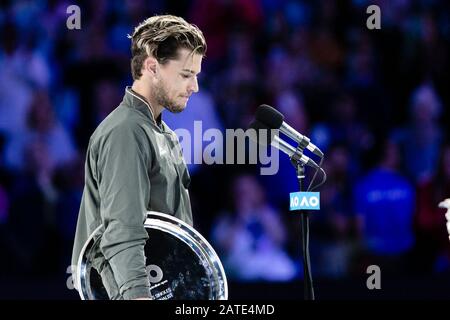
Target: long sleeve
[124,187]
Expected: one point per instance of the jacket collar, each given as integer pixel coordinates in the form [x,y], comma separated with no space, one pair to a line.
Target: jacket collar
[137,101]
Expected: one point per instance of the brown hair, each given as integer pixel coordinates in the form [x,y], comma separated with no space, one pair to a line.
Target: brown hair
[161,37]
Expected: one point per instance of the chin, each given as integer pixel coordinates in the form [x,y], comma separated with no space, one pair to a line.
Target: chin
[176,109]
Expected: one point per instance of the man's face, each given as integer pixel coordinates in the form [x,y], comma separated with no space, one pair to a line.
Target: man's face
[178,80]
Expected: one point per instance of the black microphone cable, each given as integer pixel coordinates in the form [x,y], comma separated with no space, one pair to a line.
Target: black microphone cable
[308,282]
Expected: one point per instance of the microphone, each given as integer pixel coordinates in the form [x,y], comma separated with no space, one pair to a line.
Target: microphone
[273,119]
[280,144]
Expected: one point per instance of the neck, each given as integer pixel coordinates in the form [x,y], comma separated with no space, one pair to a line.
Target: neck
[145,91]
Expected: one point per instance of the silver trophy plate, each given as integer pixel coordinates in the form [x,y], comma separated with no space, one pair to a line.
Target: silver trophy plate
[181,264]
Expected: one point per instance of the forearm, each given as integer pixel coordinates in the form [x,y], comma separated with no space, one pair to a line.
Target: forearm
[129,271]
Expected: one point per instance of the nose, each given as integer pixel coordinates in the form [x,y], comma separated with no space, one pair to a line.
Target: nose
[193,85]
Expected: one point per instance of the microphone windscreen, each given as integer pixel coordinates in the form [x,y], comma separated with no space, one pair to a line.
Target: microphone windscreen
[264,135]
[269,116]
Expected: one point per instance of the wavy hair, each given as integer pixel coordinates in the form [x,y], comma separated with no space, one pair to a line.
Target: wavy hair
[161,37]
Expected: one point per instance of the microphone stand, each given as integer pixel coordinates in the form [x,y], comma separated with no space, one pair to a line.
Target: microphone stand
[308,283]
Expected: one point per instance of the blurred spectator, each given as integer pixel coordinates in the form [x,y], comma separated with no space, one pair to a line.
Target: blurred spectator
[107,95]
[361,61]
[327,54]
[344,127]
[68,180]
[214,16]
[243,67]
[384,205]
[41,126]
[6,176]
[251,239]
[293,63]
[30,232]
[432,247]
[365,80]
[420,140]
[94,63]
[4,205]
[333,240]
[22,71]
[236,87]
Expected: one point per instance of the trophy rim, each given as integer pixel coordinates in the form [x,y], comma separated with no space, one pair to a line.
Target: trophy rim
[166,223]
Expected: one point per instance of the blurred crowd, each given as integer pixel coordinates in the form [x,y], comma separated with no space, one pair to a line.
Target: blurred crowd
[375,101]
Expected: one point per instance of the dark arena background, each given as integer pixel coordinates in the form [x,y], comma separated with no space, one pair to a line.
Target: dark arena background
[369,86]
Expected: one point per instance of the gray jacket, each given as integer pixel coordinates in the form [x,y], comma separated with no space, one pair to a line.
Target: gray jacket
[133,164]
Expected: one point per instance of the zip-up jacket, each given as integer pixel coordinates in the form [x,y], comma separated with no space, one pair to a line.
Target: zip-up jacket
[133,164]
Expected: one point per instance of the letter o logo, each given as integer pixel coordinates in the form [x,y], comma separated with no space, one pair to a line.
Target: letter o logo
[313,201]
[159,273]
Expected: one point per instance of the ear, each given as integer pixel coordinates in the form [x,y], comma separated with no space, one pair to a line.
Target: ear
[150,65]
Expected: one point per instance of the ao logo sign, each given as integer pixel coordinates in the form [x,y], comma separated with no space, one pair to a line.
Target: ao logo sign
[304,201]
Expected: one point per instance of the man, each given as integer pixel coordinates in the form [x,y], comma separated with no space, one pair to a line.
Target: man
[384,204]
[133,161]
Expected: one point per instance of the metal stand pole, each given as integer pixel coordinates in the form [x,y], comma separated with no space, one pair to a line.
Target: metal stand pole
[308,283]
